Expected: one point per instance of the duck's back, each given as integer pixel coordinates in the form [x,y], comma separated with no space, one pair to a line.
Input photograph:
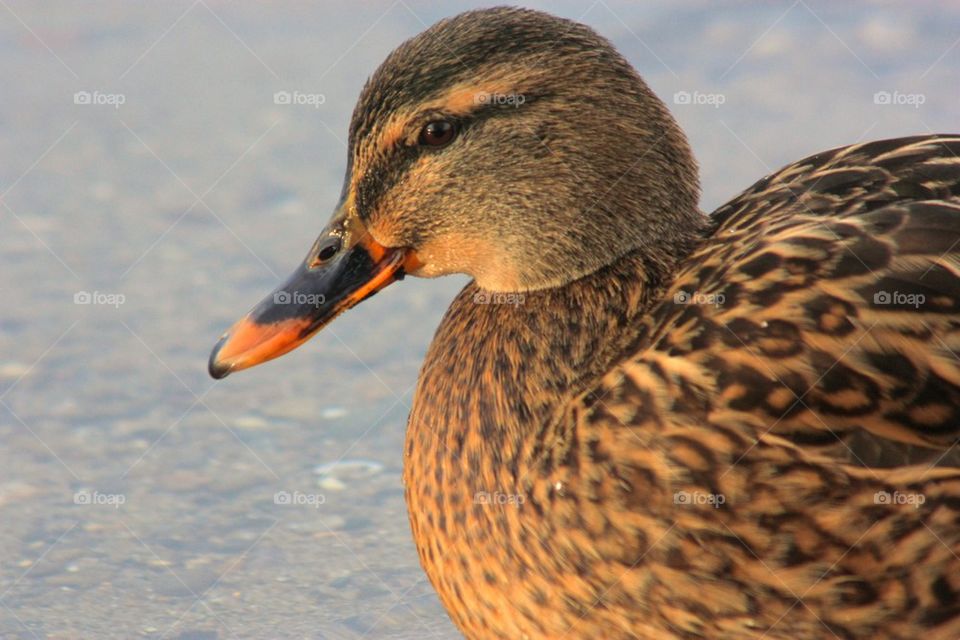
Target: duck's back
[826,303]
[773,456]
[799,384]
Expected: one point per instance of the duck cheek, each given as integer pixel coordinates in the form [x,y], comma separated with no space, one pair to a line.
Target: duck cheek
[427,271]
[451,252]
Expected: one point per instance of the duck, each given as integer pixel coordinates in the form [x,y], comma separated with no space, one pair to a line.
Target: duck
[638,420]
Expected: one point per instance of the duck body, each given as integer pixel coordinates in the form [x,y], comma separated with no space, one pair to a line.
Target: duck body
[651,467]
[638,421]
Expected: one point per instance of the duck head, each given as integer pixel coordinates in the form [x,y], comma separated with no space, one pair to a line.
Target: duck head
[509,145]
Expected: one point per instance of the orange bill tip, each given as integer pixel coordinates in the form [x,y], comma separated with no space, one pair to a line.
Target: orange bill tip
[248,343]
[280,324]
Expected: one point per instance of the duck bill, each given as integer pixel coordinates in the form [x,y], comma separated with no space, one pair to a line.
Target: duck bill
[316,293]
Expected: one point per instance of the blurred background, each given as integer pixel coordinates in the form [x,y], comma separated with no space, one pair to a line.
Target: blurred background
[164,165]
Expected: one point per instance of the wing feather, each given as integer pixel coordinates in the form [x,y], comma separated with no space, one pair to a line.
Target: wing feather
[825,307]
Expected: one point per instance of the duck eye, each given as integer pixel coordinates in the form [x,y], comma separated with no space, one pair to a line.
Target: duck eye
[437,133]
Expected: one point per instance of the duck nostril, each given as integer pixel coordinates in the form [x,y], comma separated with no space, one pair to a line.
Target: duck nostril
[329,249]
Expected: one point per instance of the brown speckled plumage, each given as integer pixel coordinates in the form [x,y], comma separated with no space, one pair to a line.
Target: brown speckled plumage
[638,421]
[791,400]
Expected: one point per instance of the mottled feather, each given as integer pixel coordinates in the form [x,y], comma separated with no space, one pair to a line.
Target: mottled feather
[751,467]
[825,304]
[787,375]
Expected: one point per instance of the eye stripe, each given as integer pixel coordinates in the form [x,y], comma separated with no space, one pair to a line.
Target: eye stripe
[386,163]
[399,126]
[379,177]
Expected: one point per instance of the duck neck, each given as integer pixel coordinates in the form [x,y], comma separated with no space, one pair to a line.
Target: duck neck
[500,365]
